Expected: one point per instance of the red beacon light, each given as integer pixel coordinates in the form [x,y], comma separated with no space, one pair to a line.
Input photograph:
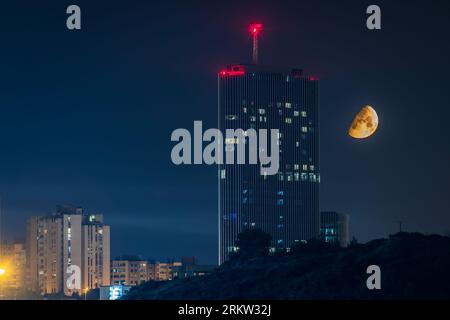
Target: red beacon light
[234,70]
[255,28]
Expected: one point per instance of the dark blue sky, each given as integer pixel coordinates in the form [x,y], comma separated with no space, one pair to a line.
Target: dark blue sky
[87,115]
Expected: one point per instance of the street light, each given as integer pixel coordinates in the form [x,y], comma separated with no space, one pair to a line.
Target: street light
[2,273]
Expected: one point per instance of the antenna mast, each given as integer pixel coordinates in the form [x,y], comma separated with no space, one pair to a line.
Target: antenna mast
[255,30]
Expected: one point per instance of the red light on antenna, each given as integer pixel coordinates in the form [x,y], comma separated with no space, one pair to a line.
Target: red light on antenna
[255,28]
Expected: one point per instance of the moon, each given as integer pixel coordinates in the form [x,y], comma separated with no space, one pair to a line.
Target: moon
[364,124]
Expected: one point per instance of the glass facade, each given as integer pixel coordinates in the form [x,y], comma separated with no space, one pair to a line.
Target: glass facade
[286,205]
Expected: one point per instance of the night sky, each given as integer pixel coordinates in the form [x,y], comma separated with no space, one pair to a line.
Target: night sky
[87,115]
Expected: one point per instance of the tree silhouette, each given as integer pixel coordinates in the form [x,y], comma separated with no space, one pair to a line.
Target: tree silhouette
[253,243]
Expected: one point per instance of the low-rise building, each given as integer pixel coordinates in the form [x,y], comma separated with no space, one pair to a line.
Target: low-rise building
[13,264]
[334,227]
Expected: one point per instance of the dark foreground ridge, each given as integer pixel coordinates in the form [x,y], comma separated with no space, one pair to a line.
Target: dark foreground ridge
[413,266]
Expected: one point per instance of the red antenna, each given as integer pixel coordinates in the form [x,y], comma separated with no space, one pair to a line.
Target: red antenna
[255,29]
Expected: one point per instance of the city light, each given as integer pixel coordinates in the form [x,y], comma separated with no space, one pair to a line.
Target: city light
[2,271]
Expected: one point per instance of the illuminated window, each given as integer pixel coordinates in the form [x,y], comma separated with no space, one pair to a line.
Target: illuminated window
[296,113]
[296,176]
[231,140]
[296,166]
[305,129]
[252,118]
[297,143]
[305,167]
[222,174]
[304,115]
[288,120]
[231,117]
[311,168]
[262,111]
[288,105]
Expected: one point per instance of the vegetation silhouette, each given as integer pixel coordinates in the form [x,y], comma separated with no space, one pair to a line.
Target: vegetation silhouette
[413,266]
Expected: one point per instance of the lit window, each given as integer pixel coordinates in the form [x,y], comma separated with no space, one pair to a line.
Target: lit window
[304,129]
[297,143]
[222,174]
[288,120]
[245,109]
[305,167]
[252,118]
[296,166]
[296,176]
[288,105]
[296,113]
[231,140]
[262,111]
[231,117]
[311,168]
[304,115]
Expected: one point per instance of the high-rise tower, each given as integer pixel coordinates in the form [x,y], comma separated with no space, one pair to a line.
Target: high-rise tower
[285,205]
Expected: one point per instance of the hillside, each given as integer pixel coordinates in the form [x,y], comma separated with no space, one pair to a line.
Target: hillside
[413,266]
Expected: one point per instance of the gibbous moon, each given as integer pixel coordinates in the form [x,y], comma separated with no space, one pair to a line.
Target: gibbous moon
[365,123]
